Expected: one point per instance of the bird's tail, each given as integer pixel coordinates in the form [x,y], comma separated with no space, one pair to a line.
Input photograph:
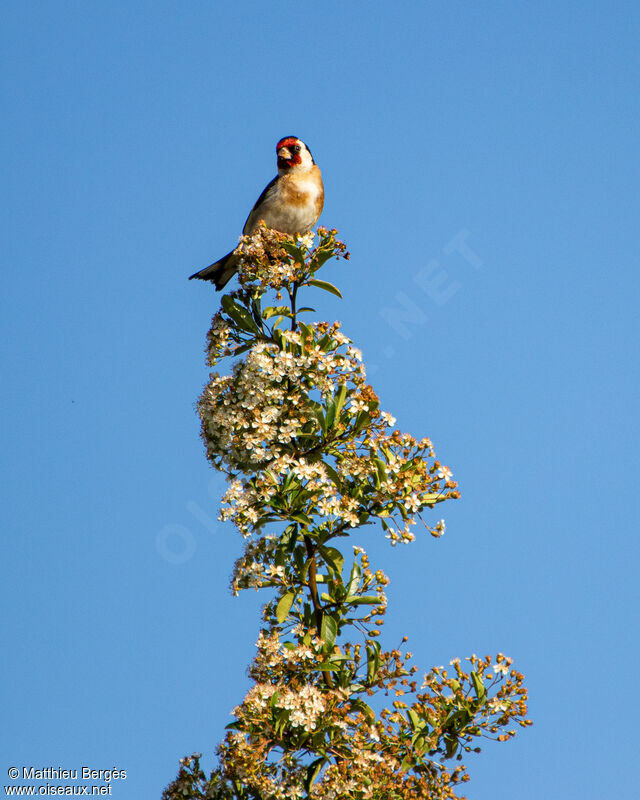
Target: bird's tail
[219,273]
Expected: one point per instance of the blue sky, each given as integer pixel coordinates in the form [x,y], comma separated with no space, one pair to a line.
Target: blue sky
[481,162]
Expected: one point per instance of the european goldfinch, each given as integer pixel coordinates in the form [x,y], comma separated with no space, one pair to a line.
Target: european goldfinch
[291,203]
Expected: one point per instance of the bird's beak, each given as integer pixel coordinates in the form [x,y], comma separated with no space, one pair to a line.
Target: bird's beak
[284,153]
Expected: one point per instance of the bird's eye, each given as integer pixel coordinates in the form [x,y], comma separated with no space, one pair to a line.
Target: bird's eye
[295,148]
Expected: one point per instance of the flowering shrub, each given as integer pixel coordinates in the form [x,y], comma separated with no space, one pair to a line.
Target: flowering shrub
[310,456]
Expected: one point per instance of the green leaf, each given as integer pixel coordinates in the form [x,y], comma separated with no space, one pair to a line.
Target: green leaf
[354,578]
[305,330]
[294,251]
[239,315]
[329,629]
[451,743]
[288,538]
[312,772]
[227,302]
[303,519]
[333,557]
[366,600]
[360,705]
[303,309]
[478,685]
[414,719]
[331,414]
[256,311]
[282,718]
[373,660]
[284,606]
[381,470]
[407,763]
[278,338]
[432,497]
[419,744]
[328,287]
[362,420]
[338,403]
[333,475]
[321,257]
[319,416]
[334,406]
[325,342]
[271,311]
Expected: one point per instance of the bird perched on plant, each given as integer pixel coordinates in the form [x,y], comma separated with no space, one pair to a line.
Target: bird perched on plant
[291,203]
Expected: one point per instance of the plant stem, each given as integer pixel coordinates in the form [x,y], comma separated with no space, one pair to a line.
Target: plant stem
[313,589]
[292,297]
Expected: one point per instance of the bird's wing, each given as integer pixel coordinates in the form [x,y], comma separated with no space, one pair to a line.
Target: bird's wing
[258,209]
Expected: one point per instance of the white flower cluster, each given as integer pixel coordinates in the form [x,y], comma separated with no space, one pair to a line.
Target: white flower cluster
[252,416]
[286,407]
[255,568]
[356,783]
[305,704]
[272,653]
[273,669]
[408,484]
[306,240]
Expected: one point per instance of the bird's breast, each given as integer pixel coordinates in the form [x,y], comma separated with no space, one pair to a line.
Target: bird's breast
[297,204]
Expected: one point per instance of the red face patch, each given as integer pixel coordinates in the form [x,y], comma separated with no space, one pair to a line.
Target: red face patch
[296,158]
[288,141]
